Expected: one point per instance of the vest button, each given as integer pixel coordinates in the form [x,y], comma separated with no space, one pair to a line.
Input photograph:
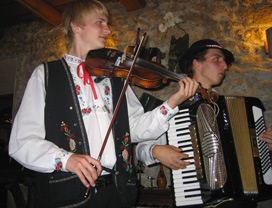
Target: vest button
[71,107]
[79,143]
[120,155]
[75,124]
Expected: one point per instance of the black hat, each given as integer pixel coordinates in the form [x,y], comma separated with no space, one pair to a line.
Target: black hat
[203,44]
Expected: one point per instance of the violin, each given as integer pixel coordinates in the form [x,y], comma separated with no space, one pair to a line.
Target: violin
[147,74]
[113,63]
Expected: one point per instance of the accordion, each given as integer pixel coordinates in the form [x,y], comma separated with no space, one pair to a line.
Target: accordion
[227,159]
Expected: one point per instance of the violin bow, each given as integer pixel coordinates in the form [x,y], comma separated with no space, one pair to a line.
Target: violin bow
[121,96]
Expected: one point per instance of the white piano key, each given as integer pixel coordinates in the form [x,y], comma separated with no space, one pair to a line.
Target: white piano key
[180,132]
[180,171]
[187,193]
[178,142]
[185,180]
[182,201]
[181,139]
[186,174]
[181,114]
[177,125]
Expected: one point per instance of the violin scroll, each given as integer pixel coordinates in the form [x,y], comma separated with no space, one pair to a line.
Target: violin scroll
[212,97]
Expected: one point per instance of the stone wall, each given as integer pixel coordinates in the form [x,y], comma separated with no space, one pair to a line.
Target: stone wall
[239,25]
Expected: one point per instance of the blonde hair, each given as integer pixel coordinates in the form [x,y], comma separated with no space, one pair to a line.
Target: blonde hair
[78,12]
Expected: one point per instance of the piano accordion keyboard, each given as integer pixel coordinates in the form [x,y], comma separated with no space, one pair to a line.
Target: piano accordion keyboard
[186,185]
[263,149]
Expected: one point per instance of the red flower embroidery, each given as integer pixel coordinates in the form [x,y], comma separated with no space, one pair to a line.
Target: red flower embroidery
[59,166]
[163,110]
[89,110]
[107,90]
[77,89]
[126,139]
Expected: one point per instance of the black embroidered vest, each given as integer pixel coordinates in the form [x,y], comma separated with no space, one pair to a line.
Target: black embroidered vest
[65,128]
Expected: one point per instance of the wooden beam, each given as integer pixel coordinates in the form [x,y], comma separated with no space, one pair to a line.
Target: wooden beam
[43,10]
[133,4]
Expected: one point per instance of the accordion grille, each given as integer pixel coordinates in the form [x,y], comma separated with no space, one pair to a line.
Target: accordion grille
[211,146]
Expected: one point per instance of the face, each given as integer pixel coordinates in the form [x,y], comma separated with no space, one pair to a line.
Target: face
[211,71]
[93,35]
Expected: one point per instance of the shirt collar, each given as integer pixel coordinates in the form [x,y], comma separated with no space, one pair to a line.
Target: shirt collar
[72,59]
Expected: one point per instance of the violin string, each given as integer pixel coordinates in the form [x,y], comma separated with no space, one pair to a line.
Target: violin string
[157,69]
[152,68]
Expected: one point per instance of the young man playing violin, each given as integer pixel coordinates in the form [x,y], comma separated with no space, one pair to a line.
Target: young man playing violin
[207,63]
[65,114]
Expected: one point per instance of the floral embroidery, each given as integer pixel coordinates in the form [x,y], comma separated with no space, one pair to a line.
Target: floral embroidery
[78,90]
[165,111]
[72,59]
[70,136]
[107,90]
[88,108]
[125,153]
[107,93]
[86,111]
[58,160]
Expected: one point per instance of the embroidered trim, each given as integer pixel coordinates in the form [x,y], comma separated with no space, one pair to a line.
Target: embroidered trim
[125,153]
[87,109]
[72,59]
[58,160]
[165,111]
[70,136]
[107,93]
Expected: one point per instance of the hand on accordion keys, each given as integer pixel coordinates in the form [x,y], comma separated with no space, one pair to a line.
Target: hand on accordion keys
[170,156]
[267,137]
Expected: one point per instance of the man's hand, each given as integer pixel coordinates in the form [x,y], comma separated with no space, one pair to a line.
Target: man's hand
[170,156]
[84,167]
[267,137]
[187,88]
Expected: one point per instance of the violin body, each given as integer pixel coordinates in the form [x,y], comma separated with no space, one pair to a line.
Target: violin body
[107,63]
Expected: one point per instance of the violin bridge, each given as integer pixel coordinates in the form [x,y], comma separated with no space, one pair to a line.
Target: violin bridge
[118,61]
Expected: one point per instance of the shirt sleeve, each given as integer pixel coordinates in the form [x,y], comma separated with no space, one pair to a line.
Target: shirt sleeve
[144,150]
[150,125]
[27,143]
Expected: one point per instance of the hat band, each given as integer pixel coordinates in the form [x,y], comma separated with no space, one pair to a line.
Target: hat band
[213,46]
